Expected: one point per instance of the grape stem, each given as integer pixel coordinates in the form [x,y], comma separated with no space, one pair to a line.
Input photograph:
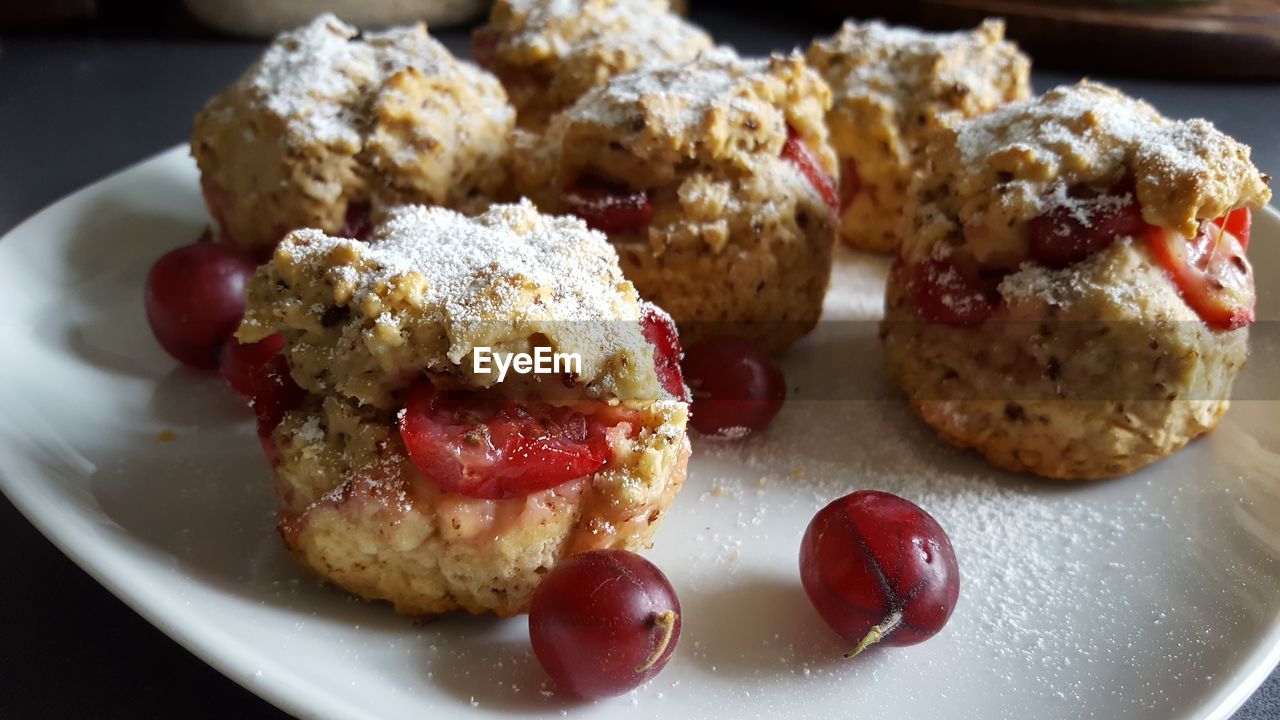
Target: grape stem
[667,621]
[877,633]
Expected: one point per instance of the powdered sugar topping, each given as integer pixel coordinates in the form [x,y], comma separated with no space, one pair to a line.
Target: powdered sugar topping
[314,77]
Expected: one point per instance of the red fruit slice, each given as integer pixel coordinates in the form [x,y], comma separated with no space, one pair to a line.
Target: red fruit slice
[241,362]
[945,291]
[484,446]
[660,330]
[850,183]
[357,224]
[274,393]
[1237,222]
[608,206]
[1211,271]
[1064,236]
[795,150]
[484,46]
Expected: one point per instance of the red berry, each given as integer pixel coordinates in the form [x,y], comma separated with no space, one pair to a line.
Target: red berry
[1211,272]
[484,446]
[195,299]
[357,223]
[797,152]
[850,183]
[242,361]
[879,569]
[1065,236]
[660,330]
[737,387]
[603,622]
[273,394]
[945,291]
[607,206]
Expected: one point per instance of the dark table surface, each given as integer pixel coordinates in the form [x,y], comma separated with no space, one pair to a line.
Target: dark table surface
[73,109]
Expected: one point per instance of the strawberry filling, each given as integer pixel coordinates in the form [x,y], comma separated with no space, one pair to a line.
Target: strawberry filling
[608,206]
[1065,236]
[1211,270]
[481,445]
[850,183]
[660,330]
[951,291]
[795,151]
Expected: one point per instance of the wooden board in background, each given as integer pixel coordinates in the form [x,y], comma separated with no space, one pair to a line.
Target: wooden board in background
[1225,39]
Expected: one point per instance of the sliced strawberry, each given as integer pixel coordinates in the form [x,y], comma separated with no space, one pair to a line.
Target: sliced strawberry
[607,206]
[850,183]
[948,291]
[241,362]
[660,330]
[480,445]
[1063,236]
[798,153]
[1211,271]
[1237,222]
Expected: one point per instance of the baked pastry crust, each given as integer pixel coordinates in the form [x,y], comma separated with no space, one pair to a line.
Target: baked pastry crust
[364,321]
[1094,369]
[988,176]
[893,87]
[330,121]
[739,240]
[548,54]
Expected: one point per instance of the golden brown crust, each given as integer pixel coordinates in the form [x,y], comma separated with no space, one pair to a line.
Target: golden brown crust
[989,176]
[891,88]
[364,518]
[326,121]
[739,240]
[548,54]
[1087,372]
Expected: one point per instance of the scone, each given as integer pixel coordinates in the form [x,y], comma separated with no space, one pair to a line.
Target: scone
[409,469]
[548,54]
[1073,297]
[713,179]
[331,126]
[892,87]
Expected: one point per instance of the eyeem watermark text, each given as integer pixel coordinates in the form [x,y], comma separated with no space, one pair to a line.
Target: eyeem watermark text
[542,361]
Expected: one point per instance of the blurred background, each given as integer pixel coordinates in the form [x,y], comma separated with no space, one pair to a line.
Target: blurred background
[1170,38]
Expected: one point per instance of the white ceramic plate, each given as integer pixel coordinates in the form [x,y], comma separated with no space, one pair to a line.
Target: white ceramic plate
[1152,596]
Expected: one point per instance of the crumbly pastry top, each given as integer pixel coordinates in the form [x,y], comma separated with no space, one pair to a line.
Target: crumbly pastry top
[997,171]
[319,78]
[534,31]
[916,76]
[716,109]
[366,319]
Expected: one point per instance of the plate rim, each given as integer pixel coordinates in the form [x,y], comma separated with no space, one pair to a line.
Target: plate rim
[238,664]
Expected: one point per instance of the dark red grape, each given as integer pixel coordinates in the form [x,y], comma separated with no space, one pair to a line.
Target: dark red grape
[879,569]
[242,361]
[603,622]
[737,387]
[195,299]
